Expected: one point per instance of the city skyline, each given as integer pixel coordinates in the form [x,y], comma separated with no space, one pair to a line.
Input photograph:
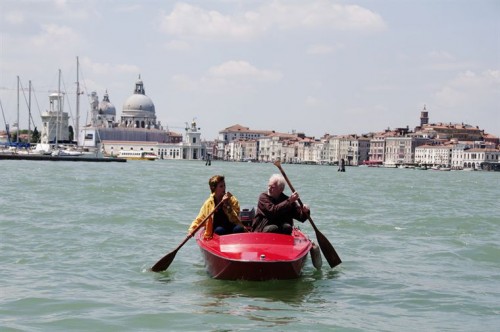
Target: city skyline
[314,67]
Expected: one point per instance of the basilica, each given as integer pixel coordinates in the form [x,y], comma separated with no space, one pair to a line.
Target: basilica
[138,129]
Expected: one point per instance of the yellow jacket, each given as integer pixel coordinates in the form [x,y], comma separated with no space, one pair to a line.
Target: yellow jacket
[231,209]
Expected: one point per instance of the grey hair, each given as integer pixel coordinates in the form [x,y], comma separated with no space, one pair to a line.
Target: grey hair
[279,179]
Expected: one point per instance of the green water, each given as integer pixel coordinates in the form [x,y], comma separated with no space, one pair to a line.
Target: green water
[420,250]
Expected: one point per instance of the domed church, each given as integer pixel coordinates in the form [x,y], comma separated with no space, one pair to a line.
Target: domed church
[138,129]
[138,109]
[104,112]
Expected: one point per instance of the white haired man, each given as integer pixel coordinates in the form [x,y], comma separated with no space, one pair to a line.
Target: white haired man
[276,211]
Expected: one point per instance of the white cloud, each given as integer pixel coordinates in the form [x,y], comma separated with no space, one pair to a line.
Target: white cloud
[445,61]
[187,20]
[234,75]
[243,69]
[322,14]
[322,49]
[56,36]
[108,68]
[15,17]
[470,88]
[315,56]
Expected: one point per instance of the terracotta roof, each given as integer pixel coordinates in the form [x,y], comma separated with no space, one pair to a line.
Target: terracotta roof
[237,127]
[283,135]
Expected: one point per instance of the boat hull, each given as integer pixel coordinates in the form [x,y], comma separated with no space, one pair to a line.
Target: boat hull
[255,256]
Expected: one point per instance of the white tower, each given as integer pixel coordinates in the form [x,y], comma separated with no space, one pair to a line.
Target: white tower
[192,144]
[55,126]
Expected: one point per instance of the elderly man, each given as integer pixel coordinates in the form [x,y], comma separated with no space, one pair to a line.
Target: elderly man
[276,211]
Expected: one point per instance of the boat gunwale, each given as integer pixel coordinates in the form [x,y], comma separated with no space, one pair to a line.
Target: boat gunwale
[296,235]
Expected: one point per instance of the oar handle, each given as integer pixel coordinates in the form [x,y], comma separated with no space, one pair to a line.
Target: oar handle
[277,163]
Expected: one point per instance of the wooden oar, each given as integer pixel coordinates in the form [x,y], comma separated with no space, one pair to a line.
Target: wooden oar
[326,247]
[166,260]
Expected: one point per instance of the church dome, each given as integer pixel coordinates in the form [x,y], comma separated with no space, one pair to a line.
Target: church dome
[106,107]
[138,102]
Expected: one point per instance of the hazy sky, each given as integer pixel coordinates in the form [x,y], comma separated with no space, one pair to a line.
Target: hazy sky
[315,66]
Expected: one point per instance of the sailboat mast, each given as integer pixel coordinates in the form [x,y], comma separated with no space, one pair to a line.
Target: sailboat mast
[17,129]
[29,113]
[58,112]
[77,124]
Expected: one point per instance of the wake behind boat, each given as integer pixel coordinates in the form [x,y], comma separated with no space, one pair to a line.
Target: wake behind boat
[256,256]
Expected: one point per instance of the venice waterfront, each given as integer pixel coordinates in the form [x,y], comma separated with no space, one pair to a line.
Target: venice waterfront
[420,250]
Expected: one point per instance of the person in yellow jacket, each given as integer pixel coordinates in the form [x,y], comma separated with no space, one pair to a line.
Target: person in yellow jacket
[226,219]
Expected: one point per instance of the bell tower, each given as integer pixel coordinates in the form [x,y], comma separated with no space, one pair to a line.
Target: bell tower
[424,117]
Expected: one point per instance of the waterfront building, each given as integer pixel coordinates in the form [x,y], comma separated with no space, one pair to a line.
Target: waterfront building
[400,150]
[480,158]
[306,147]
[491,139]
[434,155]
[458,154]
[376,153]
[237,132]
[353,149]
[377,148]
[271,147]
[333,148]
[319,153]
[447,132]
[323,150]
[241,150]
[445,144]
[289,152]
[138,129]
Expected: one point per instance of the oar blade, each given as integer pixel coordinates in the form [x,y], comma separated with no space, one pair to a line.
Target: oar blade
[328,250]
[164,262]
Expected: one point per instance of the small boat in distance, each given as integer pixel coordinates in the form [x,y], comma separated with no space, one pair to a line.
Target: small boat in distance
[255,256]
[137,155]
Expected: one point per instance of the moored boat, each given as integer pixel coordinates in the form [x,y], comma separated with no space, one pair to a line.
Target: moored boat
[137,155]
[255,256]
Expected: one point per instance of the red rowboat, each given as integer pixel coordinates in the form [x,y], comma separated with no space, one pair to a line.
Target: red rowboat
[255,256]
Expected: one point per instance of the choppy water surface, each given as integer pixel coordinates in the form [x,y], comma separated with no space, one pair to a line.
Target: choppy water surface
[420,250]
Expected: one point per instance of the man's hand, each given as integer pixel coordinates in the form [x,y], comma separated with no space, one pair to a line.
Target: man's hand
[305,210]
[294,196]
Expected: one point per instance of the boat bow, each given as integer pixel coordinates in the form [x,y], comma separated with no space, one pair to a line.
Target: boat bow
[255,256]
